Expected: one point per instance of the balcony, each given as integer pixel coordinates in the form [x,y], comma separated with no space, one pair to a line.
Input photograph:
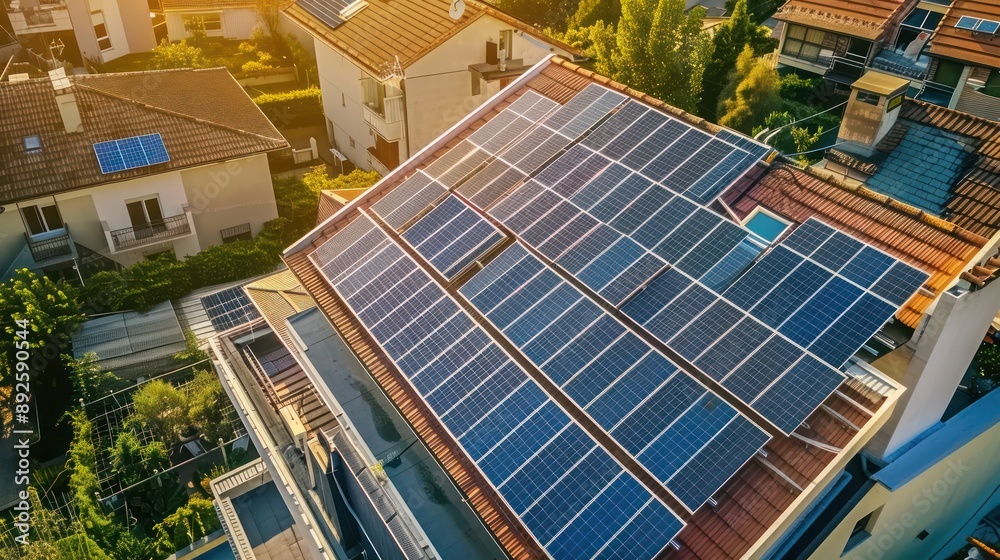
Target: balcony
[39,17]
[385,118]
[52,247]
[166,229]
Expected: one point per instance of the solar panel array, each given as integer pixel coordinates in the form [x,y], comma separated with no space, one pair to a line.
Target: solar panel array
[327,11]
[573,496]
[608,201]
[131,153]
[229,308]
[687,437]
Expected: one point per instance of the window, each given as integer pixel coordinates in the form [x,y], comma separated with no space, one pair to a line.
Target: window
[100,31]
[869,98]
[211,23]
[353,145]
[40,219]
[32,144]
[948,73]
[802,42]
[236,233]
[862,530]
[506,45]
[145,215]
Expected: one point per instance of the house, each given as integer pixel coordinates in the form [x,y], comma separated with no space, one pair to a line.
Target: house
[837,39]
[126,166]
[965,68]
[395,75]
[82,31]
[505,287]
[228,19]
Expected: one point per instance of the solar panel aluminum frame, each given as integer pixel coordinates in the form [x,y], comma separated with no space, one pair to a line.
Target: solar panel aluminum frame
[530,378]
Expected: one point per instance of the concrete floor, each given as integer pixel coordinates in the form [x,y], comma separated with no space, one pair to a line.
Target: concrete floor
[268,524]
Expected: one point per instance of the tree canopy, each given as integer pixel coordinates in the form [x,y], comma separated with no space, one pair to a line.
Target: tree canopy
[753,93]
[731,37]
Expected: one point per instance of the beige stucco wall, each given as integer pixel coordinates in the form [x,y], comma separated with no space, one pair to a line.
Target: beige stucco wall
[340,82]
[80,214]
[439,85]
[942,501]
[229,194]
[11,236]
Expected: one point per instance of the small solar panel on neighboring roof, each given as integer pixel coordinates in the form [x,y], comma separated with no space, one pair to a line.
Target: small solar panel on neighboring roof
[967,22]
[229,308]
[988,26]
[327,11]
[131,153]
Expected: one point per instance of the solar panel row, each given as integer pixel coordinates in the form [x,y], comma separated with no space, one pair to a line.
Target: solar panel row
[568,490]
[131,153]
[452,236]
[660,414]
[229,308]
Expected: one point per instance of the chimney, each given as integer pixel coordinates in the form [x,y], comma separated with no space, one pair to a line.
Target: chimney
[68,109]
[871,111]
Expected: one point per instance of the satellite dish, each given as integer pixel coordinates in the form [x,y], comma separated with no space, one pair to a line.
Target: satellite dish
[457,9]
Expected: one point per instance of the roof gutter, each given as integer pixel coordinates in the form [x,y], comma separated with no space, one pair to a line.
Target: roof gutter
[411,164]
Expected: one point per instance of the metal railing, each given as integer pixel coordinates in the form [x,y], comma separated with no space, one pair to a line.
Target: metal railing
[50,247]
[38,17]
[166,228]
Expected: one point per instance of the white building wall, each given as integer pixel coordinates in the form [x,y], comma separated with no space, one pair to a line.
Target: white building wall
[116,29]
[942,353]
[237,23]
[439,85]
[946,500]
[340,82]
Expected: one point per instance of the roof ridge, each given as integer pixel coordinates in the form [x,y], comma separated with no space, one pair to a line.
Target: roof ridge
[180,115]
[690,118]
[941,224]
[930,107]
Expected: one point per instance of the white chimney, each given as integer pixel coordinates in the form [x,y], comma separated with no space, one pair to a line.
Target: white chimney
[871,111]
[14,78]
[66,101]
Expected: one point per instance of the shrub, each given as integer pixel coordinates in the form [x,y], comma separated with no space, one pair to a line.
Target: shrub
[291,109]
[135,462]
[205,396]
[189,523]
[152,281]
[162,408]
[176,55]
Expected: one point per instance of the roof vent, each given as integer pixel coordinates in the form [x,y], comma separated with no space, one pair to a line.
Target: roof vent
[353,8]
[18,78]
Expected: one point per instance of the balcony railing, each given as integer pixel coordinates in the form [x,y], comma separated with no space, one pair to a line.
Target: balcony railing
[386,120]
[51,247]
[167,228]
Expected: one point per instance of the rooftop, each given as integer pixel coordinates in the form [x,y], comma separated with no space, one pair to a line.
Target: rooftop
[867,19]
[207,5]
[406,30]
[203,116]
[980,49]
[502,314]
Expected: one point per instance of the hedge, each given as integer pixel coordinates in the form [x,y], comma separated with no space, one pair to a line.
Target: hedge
[292,109]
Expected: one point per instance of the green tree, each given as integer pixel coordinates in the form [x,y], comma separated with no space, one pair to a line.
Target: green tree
[83,482]
[135,462]
[89,381]
[176,55]
[206,406]
[192,352]
[49,312]
[319,179]
[731,37]
[162,408]
[540,13]
[753,93]
[804,141]
[590,12]
[187,524]
[661,49]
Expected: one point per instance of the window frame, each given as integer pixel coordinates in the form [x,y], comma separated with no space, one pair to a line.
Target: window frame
[39,213]
[103,23]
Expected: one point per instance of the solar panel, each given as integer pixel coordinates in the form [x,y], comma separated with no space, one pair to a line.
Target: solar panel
[327,11]
[504,421]
[451,236]
[967,22]
[229,308]
[988,26]
[130,153]
[664,417]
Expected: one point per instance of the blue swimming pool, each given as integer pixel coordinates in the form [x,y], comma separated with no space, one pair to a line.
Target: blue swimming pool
[766,226]
[220,552]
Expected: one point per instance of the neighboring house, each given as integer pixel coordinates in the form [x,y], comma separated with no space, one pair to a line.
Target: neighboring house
[227,19]
[946,50]
[94,31]
[182,165]
[397,74]
[965,52]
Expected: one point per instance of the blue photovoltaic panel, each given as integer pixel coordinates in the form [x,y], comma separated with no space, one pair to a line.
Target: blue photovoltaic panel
[229,308]
[451,236]
[662,416]
[798,392]
[130,153]
[505,422]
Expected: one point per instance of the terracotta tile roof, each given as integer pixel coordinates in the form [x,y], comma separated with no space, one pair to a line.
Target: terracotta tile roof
[407,29]
[975,198]
[962,45]
[203,116]
[860,18]
[934,245]
[169,5]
